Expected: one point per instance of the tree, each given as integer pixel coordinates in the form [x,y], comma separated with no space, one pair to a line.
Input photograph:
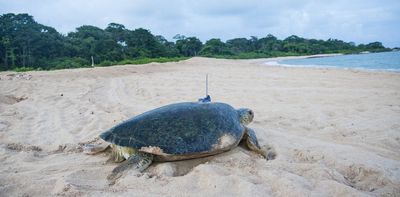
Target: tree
[118,33]
[26,43]
[374,45]
[7,56]
[270,43]
[239,45]
[89,41]
[142,43]
[169,48]
[254,43]
[215,47]
[189,46]
[179,37]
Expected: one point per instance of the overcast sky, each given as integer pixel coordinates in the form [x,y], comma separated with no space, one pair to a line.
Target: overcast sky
[361,21]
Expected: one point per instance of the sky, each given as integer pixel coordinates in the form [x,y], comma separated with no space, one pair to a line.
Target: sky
[359,21]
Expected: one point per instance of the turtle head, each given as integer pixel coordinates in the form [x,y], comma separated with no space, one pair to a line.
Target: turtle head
[245,115]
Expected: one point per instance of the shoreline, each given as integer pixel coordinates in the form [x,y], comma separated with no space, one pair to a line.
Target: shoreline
[246,60]
[275,62]
[154,66]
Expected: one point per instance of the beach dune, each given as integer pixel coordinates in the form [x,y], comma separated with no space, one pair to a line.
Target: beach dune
[336,132]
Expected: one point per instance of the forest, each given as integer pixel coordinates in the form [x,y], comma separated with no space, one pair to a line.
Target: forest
[27,45]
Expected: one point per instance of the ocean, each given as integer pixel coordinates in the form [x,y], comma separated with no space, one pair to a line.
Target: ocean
[385,61]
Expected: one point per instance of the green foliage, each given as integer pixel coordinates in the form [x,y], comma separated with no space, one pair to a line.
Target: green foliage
[142,61]
[23,69]
[255,55]
[144,44]
[215,47]
[151,60]
[106,63]
[239,45]
[67,62]
[188,46]
[27,45]
[270,46]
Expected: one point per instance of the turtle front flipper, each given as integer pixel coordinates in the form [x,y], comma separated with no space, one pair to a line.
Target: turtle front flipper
[267,151]
[138,161]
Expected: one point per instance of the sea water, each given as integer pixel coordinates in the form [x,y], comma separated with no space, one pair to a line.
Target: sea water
[385,61]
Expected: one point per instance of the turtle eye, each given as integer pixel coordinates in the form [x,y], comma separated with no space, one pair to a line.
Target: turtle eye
[251,113]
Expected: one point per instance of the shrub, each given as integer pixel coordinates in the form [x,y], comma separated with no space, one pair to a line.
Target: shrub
[63,63]
[24,69]
[107,63]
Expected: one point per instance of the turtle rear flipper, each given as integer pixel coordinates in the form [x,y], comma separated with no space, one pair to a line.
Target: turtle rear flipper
[139,161]
[266,151]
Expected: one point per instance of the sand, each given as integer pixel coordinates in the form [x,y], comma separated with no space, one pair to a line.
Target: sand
[336,132]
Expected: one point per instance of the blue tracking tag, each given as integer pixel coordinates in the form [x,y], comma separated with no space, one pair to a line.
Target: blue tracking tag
[206,99]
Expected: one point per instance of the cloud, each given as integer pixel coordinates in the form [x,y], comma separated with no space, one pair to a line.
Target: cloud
[361,21]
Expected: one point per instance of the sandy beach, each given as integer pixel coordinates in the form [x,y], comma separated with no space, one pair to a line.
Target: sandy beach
[336,132]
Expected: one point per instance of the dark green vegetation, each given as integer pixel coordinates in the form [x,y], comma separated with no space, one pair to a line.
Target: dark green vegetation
[28,45]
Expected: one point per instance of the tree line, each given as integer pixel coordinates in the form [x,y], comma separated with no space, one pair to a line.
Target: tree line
[26,44]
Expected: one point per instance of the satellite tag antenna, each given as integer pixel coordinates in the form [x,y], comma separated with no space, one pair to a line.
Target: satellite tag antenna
[207,98]
[206,85]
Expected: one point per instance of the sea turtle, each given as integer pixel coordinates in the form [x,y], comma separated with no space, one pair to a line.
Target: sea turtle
[177,132]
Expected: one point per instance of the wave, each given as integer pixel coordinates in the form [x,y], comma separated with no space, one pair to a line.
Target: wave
[280,64]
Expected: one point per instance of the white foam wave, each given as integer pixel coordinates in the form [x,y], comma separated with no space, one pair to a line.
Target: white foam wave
[277,63]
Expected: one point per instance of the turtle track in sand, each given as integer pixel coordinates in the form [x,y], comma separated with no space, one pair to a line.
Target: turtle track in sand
[11,99]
